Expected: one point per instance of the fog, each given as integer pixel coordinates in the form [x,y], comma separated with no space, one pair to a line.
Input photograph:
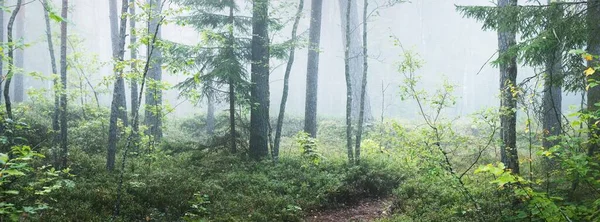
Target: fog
[452,46]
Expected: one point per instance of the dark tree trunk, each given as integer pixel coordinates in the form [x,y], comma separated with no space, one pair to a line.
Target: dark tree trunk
[356,57]
[11,56]
[593,94]
[286,82]
[118,101]
[55,114]
[348,85]
[63,80]
[18,91]
[363,89]
[232,131]
[134,81]
[154,91]
[312,69]
[552,100]
[508,104]
[259,93]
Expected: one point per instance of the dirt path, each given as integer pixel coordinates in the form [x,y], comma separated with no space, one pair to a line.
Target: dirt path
[365,210]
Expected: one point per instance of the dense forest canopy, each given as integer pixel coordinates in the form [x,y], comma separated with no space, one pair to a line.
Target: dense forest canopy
[299,110]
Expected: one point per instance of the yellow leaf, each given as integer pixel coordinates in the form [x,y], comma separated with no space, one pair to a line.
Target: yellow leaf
[590,71]
[588,57]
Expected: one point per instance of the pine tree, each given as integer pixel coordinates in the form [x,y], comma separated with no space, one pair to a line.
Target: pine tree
[312,70]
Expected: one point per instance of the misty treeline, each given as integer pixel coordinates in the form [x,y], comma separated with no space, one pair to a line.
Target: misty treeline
[67,156]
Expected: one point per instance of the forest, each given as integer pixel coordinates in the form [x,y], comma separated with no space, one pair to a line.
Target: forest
[300,110]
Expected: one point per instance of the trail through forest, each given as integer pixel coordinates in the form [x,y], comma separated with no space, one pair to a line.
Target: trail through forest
[365,210]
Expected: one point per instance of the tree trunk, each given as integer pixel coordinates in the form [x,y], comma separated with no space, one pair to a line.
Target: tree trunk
[286,82]
[593,94]
[508,104]
[363,89]
[118,103]
[18,91]
[552,98]
[259,92]
[134,82]
[55,114]
[210,113]
[11,56]
[232,131]
[154,92]
[63,79]
[312,69]
[356,56]
[348,85]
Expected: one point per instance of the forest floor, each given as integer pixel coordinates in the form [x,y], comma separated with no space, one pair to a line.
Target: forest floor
[364,210]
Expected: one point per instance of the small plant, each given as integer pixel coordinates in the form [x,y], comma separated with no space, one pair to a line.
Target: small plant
[308,146]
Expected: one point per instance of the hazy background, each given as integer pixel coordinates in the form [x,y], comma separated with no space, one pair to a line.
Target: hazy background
[452,47]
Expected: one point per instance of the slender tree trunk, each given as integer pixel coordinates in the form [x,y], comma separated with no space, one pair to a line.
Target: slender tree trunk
[55,114]
[134,81]
[11,56]
[593,94]
[154,92]
[348,85]
[232,132]
[19,89]
[210,114]
[356,57]
[118,104]
[63,80]
[363,89]
[286,82]
[508,104]
[259,92]
[312,69]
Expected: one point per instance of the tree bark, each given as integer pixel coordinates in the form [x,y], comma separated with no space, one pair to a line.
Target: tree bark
[356,56]
[593,94]
[210,113]
[363,89]
[11,56]
[19,89]
[134,82]
[508,104]
[286,82]
[312,69]
[232,131]
[118,103]
[63,79]
[552,97]
[154,92]
[259,92]
[348,85]
[55,114]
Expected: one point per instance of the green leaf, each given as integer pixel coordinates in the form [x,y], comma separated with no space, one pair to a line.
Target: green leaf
[13,192]
[3,158]
[14,172]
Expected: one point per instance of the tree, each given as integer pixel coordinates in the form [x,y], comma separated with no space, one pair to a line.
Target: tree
[259,93]
[134,82]
[312,70]
[118,107]
[1,50]
[56,113]
[286,80]
[593,94]
[552,97]
[348,85]
[63,80]
[11,66]
[356,59]
[508,103]
[153,117]
[363,88]
[18,91]
[221,57]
